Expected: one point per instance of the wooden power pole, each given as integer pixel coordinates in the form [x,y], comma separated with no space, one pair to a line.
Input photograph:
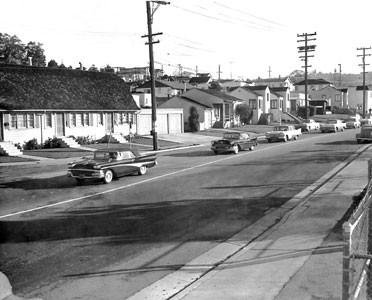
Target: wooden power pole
[305,49]
[150,14]
[364,75]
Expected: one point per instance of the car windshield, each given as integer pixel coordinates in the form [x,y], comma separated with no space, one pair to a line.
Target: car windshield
[280,128]
[231,135]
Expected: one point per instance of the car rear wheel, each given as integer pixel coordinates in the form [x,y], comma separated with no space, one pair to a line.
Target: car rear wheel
[142,170]
[108,176]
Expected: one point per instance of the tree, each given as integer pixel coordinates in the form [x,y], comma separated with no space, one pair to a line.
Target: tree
[36,52]
[108,69]
[52,64]
[13,51]
[215,86]
[244,112]
[194,124]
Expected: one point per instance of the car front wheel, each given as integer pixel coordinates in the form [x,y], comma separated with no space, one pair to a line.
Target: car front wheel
[236,149]
[142,170]
[108,176]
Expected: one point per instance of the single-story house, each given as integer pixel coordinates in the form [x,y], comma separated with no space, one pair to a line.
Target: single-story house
[313,84]
[215,109]
[334,96]
[164,90]
[42,103]
[201,82]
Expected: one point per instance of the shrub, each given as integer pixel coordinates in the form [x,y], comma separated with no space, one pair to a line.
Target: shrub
[194,124]
[85,140]
[32,145]
[52,143]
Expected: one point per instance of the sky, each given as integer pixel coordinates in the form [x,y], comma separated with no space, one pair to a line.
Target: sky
[240,38]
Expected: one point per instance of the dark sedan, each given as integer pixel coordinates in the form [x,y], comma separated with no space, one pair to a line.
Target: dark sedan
[234,142]
[111,163]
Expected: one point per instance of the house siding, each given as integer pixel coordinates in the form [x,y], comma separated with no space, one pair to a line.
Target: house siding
[41,132]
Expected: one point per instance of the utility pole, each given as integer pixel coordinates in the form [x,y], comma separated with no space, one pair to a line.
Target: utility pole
[339,69]
[150,15]
[269,71]
[305,49]
[364,75]
[219,72]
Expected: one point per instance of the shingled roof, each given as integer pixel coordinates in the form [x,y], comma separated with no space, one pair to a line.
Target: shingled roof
[25,87]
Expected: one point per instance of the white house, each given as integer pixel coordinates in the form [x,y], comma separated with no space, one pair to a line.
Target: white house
[42,103]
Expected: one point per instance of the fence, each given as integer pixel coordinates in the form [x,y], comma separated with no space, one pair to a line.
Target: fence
[357,250]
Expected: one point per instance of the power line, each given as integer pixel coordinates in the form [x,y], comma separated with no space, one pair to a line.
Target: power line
[246,13]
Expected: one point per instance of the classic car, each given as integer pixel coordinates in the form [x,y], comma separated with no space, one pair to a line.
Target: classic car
[283,133]
[365,134]
[352,123]
[111,163]
[308,125]
[365,122]
[332,126]
[234,142]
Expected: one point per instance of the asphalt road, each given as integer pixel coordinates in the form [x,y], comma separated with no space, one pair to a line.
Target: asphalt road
[144,227]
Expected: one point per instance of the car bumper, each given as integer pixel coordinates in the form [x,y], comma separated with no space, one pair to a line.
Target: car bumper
[81,174]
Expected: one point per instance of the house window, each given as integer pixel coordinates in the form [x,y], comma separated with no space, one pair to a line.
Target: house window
[79,119]
[253,103]
[13,121]
[281,104]
[260,103]
[30,120]
[48,120]
[73,119]
[274,104]
[85,119]
[100,119]
[338,97]
[21,121]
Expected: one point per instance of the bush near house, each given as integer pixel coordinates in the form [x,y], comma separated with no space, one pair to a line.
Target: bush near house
[193,124]
[245,113]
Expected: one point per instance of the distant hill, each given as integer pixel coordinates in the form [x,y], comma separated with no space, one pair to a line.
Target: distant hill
[347,80]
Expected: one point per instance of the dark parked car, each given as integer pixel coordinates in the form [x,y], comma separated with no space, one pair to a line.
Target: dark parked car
[111,163]
[234,142]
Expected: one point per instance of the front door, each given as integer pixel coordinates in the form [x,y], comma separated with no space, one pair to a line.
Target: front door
[59,125]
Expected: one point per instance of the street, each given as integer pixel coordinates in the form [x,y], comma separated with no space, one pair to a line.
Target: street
[56,235]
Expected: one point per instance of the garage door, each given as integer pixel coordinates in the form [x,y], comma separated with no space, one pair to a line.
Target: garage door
[162,124]
[175,123]
[144,124]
